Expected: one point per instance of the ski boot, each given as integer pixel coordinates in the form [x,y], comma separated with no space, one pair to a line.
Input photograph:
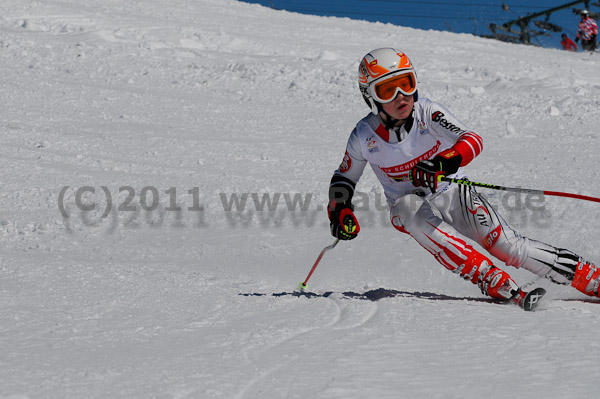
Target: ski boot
[586,278]
[491,280]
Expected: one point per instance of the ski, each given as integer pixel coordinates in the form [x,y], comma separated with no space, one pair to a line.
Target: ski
[530,300]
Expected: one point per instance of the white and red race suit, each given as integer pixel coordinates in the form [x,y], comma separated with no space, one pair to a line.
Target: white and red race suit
[440,221]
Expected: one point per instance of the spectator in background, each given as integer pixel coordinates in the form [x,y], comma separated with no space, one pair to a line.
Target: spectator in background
[587,32]
[567,43]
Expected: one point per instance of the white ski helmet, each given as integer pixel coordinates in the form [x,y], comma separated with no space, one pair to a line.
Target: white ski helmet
[384,72]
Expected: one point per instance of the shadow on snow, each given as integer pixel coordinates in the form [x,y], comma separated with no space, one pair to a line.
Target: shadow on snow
[382,293]
[375,295]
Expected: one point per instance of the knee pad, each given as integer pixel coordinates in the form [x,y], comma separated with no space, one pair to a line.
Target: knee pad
[404,210]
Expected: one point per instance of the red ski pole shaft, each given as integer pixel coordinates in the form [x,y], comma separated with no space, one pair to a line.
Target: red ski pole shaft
[327,248]
[518,189]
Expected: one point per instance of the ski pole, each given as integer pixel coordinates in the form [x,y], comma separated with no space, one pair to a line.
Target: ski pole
[327,248]
[517,189]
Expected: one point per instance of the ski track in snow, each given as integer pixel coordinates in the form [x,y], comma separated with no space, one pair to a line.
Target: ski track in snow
[227,98]
[306,346]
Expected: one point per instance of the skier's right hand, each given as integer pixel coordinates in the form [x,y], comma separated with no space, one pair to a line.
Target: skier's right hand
[342,221]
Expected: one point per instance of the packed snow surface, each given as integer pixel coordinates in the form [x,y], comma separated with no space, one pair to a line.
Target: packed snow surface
[153,153]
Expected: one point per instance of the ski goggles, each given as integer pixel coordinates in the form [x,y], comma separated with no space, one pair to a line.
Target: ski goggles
[386,90]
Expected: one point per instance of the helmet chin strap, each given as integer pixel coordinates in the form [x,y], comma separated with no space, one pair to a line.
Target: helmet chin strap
[389,121]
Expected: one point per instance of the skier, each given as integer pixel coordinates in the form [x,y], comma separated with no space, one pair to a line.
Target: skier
[587,32]
[410,141]
[567,43]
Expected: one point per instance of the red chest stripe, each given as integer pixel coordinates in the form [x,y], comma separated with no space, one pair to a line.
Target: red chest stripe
[405,167]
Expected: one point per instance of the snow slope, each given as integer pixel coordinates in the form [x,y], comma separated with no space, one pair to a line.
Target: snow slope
[178,108]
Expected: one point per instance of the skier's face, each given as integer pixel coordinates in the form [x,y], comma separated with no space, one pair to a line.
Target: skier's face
[401,107]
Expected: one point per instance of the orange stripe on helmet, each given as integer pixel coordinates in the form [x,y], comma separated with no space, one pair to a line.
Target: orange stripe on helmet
[375,70]
[404,61]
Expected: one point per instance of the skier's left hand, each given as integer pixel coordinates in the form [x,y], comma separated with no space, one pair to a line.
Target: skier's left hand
[425,173]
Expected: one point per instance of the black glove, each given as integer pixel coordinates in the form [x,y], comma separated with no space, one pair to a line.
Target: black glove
[577,39]
[425,173]
[343,223]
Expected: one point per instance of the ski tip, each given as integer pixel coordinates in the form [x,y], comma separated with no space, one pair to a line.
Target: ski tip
[532,299]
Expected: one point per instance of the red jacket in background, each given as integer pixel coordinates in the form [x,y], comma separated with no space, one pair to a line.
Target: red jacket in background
[569,44]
